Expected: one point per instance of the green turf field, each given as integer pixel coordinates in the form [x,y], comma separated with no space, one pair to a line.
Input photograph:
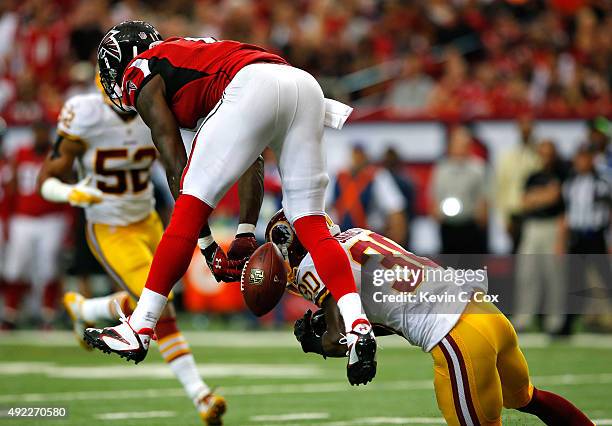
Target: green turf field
[269,381]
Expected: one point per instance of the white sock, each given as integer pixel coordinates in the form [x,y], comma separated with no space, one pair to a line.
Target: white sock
[245,228]
[148,310]
[350,309]
[186,371]
[98,308]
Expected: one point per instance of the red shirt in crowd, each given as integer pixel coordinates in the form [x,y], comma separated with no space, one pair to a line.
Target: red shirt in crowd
[26,199]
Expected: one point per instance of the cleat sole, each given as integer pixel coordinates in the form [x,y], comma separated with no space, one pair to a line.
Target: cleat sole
[363,371]
[95,343]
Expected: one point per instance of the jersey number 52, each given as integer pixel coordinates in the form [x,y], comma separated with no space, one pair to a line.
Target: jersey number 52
[117,180]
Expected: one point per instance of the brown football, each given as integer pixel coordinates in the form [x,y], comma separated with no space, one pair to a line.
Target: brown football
[263,279]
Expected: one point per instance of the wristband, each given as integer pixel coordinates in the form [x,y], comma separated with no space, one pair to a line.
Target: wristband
[55,190]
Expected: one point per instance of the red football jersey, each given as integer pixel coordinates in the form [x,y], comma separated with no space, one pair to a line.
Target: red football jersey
[195,71]
[27,200]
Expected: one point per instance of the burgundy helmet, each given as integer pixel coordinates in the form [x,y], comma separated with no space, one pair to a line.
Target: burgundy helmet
[280,232]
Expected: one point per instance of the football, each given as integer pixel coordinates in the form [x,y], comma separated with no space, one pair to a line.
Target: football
[263,279]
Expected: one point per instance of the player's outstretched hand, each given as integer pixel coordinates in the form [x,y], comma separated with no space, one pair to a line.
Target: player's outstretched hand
[305,334]
[302,327]
[244,245]
[223,269]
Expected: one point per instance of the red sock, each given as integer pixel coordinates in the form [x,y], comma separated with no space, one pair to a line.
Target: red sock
[553,409]
[176,247]
[166,327]
[125,305]
[330,260]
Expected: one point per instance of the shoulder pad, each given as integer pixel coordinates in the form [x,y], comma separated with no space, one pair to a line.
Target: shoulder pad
[79,114]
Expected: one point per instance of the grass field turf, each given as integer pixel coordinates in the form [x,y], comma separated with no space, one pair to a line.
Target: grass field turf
[268,381]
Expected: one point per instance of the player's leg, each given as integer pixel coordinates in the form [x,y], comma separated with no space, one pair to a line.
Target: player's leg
[467,385]
[304,179]
[126,254]
[519,393]
[16,268]
[173,346]
[233,135]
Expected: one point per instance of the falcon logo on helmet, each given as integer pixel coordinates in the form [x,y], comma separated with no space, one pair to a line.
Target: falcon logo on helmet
[110,46]
[119,46]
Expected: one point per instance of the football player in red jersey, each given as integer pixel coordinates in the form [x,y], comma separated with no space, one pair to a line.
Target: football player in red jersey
[37,229]
[246,99]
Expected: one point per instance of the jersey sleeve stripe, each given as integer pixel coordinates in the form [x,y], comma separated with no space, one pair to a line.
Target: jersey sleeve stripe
[324,293]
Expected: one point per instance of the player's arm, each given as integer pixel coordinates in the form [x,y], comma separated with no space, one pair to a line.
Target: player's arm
[227,267]
[57,170]
[250,193]
[330,341]
[321,332]
[60,162]
[152,106]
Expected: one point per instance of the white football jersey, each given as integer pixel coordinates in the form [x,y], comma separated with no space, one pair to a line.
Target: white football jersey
[118,158]
[422,304]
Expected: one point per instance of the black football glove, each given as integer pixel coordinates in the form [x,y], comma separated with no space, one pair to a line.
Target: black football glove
[319,326]
[305,334]
[223,269]
[243,246]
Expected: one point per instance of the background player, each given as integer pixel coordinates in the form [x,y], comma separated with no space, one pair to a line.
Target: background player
[478,365]
[36,230]
[249,99]
[114,152]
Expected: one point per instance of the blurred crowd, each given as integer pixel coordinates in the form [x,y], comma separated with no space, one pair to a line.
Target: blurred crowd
[441,58]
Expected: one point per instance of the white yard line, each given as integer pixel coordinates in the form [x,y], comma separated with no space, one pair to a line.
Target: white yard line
[601,422]
[135,415]
[289,417]
[277,339]
[155,371]
[276,389]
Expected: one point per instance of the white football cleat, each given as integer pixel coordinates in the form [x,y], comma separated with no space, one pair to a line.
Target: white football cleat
[121,339]
[211,408]
[73,303]
[361,367]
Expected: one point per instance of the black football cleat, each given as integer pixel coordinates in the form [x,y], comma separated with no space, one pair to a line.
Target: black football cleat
[361,367]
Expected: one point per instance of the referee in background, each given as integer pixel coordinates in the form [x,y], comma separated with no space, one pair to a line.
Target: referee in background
[584,227]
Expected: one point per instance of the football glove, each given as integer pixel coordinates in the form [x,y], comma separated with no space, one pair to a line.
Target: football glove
[243,246]
[223,269]
[319,326]
[305,334]
[84,196]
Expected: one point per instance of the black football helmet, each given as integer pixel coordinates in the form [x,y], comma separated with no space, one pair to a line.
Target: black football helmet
[118,47]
